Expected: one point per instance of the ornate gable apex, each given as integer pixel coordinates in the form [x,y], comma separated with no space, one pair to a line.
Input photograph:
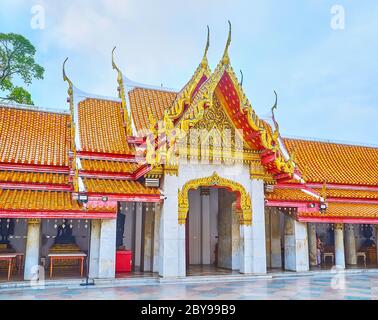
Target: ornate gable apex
[257,134]
[186,95]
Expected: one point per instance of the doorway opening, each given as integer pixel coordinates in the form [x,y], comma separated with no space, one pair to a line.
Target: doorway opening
[212,232]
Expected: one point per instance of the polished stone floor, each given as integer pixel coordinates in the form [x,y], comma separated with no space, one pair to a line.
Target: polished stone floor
[330,286]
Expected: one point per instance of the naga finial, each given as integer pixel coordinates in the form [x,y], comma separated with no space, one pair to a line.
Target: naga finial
[273,115]
[204,59]
[226,58]
[113,61]
[122,95]
[65,77]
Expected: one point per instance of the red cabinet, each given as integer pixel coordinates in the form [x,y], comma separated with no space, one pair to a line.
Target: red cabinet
[124,261]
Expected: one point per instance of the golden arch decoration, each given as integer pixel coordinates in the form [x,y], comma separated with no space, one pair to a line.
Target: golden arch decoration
[243,203]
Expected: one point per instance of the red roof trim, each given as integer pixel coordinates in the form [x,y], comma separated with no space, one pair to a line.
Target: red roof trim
[74,214]
[109,156]
[132,197]
[34,168]
[338,220]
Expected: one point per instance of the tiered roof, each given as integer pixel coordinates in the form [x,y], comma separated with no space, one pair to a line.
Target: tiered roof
[34,169]
[34,137]
[345,175]
[49,158]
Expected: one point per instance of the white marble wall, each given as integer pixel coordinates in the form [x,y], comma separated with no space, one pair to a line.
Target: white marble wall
[296,245]
[95,248]
[107,251]
[156,243]
[258,226]
[32,254]
[172,235]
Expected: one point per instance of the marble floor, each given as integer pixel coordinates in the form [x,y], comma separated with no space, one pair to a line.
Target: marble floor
[362,286]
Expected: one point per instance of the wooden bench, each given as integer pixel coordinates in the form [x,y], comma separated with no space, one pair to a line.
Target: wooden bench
[329,255]
[80,256]
[11,259]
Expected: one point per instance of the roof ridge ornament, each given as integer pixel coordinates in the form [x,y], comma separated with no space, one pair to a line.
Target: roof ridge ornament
[226,58]
[70,87]
[204,62]
[122,95]
[73,160]
[113,61]
[275,107]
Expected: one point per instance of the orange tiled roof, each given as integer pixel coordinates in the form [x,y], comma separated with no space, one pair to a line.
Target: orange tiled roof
[117,186]
[352,194]
[143,100]
[288,195]
[101,127]
[335,163]
[298,195]
[109,166]
[346,210]
[37,200]
[32,177]
[34,137]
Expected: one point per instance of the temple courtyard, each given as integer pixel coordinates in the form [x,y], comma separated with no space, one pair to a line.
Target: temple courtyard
[324,286]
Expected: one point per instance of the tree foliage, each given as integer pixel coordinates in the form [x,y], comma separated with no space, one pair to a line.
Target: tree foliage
[17,63]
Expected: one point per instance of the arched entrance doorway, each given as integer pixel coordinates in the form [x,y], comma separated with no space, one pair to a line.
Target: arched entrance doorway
[213,209]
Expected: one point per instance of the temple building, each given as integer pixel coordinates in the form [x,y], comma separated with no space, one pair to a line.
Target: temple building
[188,182]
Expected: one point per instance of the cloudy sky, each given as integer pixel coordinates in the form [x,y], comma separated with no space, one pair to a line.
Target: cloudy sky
[326,77]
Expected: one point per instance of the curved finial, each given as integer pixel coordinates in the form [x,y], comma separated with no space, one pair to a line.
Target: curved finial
[204,59]
[226,59]
[113,62]
[273,115]
[65,78]
[242,78]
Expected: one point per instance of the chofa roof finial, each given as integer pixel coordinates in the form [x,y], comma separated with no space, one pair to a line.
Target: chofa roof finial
[65,77]
[204,59]
[226,58]
[113,61]
[273,115]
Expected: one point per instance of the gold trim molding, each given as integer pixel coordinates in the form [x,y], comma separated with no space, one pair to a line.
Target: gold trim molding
[34,221]
[257,171]
[244,208]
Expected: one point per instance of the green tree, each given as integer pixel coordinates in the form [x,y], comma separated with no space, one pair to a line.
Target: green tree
[17,62]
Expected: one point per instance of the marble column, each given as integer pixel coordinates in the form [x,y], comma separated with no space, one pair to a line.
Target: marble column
[268,238]
[275,239]
[205,225]
[258,227]
[172,234]
[94,248]
[312,243]
[235,238]
[350,245]
[148,233]
[296,245]
[107,252]
[33,246]
[246,247]
[339,246]
[138,234]
[155,267]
